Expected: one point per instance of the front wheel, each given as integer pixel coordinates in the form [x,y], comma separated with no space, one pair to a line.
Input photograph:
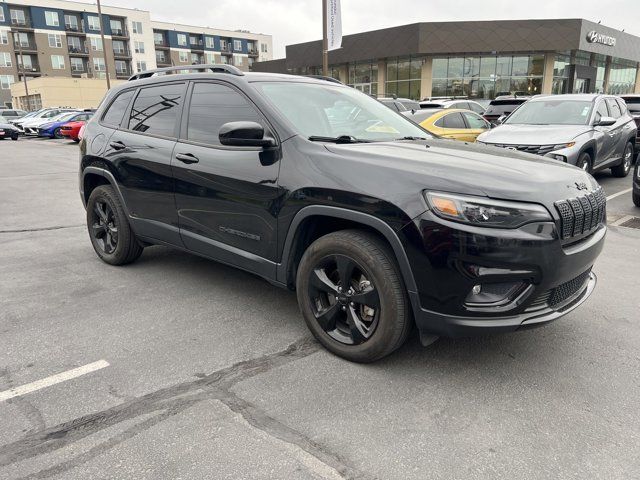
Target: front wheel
[352,296]
[584,162]
[109,230]
[636,199]
[624,168]
[57,133]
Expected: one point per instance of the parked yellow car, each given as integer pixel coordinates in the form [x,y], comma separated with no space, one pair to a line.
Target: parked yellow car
[457,124]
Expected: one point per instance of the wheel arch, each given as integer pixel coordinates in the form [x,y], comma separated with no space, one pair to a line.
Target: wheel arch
[313,221]
[95,175]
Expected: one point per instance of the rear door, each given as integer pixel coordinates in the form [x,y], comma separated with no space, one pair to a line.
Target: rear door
[140,155]
[604,138]
[476,125]
[226,196]
[453,126]
[616,132]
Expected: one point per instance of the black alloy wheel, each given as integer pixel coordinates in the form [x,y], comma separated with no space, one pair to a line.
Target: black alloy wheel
[343,299]
[624,168]
[104,227]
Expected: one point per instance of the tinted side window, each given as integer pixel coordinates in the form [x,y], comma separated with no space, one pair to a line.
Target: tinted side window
[453,120]
[155,110]
[602,110]
[614,108]
[213,105]
[115,112]
[474,121]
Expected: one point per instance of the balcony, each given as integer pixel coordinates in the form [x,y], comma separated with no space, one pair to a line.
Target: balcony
[72,28]
[75,50]
[227,51]
[121,53]
[25,47]
[199,46]
[253,53]
[123,73]
[119,32]
[78,71]
[163,61]
[32,70]
[19,24]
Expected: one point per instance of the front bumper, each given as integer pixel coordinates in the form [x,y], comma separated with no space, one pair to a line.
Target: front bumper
[448,259]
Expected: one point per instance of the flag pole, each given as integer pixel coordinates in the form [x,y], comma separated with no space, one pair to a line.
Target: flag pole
[325,41]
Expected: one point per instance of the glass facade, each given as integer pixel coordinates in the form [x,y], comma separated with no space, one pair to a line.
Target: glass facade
[403,77]
[622,76]
[364,76]
[487,76]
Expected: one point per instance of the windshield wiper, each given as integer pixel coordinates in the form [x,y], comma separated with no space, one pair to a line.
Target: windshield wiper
[339,139]
[409,138]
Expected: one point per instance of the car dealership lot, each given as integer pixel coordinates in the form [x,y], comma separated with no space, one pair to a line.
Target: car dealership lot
[208,372]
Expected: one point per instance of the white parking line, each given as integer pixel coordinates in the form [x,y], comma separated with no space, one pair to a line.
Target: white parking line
[623,192]
[52,380]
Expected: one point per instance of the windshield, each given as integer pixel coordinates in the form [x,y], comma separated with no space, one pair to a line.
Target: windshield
[319,110]
[64,116]
[552,112]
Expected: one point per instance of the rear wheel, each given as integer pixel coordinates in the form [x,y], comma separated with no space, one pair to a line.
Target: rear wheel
[352,296]
[624,168]
[109,230]
[636,199]
[57,133]
[584,162]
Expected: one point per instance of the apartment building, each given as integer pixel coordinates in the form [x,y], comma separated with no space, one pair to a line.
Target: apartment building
[59,38]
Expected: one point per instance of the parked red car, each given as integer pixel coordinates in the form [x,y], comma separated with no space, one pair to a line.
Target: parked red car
[72,129]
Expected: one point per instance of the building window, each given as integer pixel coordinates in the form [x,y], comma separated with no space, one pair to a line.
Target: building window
[5,59]
[99,67]
[139,47]
[18,17]
[364,76]
[209,42]
[71,23]
[263,47]
[96,44]
[160,57]
[158,38]
[141,66]
[193,40]
[195,59]
[1,14]
[55,41]
[51,19]
[4,37]
[121,67]
[237,60]
[57,62]
[622,76]
[116,27]
[237,45]
[77,64]
[25,62]
[182,39]
[74,45]
[136,27]
[211,58]
[183,57]
[118,47]
[21,39]
[223,44]
[487,76]
[94,23]
[6,81]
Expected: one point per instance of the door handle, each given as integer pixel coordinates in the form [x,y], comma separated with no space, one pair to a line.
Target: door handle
[187,158]
[117,145]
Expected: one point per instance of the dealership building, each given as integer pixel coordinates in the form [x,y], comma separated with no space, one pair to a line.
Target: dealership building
[477,59]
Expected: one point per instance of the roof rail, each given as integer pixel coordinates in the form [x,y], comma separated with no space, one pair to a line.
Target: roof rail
[325,78]
[215,68]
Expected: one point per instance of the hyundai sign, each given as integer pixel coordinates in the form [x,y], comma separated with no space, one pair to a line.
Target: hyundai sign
[595,37]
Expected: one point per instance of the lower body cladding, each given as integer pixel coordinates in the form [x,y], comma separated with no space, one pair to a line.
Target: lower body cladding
[475,280]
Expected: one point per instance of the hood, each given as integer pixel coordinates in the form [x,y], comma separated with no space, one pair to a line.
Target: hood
[457,167]
[533,134]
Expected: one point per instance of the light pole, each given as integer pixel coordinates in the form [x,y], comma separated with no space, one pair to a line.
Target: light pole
[325,41]
[106,63]
[16,35]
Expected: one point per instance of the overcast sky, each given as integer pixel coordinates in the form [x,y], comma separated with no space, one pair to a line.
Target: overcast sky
[295,21]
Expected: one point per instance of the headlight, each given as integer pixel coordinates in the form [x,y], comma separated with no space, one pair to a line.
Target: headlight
[560,146]
[485,212]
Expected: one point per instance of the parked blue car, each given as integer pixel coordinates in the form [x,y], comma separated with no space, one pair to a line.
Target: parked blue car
[52,129]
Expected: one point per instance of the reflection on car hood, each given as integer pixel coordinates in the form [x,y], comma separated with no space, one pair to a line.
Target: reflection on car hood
[449,166]
[533,134]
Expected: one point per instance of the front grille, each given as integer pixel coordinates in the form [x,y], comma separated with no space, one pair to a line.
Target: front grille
[535,149]
[582,214]
[568,289]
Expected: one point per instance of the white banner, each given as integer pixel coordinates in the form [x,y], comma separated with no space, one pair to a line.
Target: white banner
[334,25]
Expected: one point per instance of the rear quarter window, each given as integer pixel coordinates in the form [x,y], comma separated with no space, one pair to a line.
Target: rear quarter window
[115,111]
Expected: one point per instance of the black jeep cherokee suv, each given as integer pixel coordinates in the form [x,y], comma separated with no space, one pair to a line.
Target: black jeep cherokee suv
[319,188]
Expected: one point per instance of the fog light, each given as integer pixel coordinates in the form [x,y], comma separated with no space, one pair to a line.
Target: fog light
[494,294]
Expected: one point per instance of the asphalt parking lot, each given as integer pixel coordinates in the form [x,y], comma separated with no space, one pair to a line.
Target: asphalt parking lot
[191,369]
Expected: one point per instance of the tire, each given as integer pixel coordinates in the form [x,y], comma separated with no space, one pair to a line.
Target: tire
[57,133]
[625,166]
[363,333]
[636,199]
[15,138]
[584,162]
[108,227]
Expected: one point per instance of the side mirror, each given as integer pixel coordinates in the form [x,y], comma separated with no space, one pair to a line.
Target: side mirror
[244,134]
[501,119]
[604,122]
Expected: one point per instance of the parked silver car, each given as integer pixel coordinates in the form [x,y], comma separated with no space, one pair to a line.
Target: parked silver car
[590,131]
